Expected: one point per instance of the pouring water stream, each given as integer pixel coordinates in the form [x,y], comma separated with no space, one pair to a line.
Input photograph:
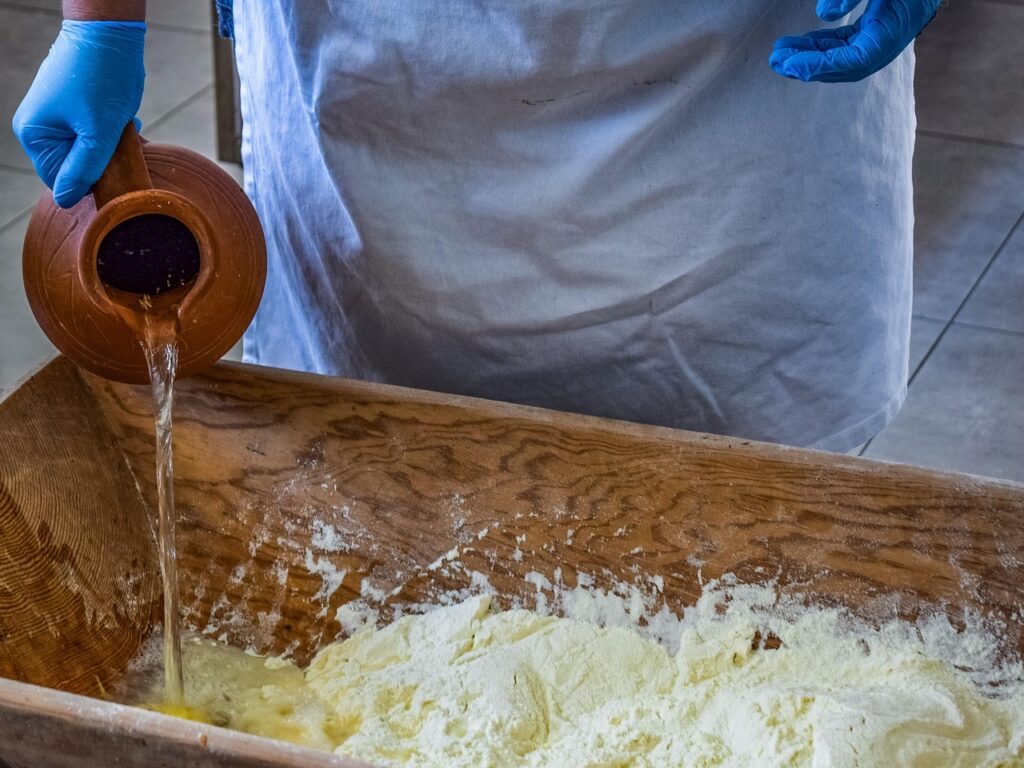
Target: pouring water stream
[161,349]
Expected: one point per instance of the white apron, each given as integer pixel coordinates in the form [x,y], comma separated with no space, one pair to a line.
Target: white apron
[613,208]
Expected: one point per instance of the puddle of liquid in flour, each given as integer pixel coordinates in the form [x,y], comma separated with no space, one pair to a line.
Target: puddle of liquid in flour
[162,356]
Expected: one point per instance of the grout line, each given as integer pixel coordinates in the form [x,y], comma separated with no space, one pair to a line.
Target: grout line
[949,324]
[1002,247]
[864,448]
[979,327]
[176,28]
[1011,3]
[17,219]
[963,303]
[969,139]
[16,169]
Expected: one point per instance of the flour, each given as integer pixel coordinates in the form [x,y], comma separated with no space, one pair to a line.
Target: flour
[238,573]
[368,591]
[748,676]
[280,571]
[447,557]
[327,538]
[356,616]
[331,578]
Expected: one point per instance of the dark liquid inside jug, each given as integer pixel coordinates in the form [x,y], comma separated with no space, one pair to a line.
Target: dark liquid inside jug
[149,255]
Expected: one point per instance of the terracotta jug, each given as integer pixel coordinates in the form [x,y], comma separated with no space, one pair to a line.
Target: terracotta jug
[165,231]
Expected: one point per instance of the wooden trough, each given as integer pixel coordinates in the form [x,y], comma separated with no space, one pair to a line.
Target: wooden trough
[287,483]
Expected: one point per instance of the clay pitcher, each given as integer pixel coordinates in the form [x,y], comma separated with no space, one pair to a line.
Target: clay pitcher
[165,232]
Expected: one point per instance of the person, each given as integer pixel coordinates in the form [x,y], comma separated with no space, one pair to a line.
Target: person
[615,208]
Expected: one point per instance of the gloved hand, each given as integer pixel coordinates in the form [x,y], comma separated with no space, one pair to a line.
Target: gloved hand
[851,53]
[86,91]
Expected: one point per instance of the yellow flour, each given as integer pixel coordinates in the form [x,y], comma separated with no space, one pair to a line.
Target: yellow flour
[465,686]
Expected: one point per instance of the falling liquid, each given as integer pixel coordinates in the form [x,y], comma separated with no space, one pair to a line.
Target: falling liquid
[162,356]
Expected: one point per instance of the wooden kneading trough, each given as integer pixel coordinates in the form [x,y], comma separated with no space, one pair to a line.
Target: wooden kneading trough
[268,461]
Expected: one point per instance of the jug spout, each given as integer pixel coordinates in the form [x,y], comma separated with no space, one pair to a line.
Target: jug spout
[149,253]
[145,262]
[165,233]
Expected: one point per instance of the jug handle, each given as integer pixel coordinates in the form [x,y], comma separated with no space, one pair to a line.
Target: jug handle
[127,170]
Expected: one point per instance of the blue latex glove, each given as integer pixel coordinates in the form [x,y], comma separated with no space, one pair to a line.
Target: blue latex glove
[851,53]
[86,91]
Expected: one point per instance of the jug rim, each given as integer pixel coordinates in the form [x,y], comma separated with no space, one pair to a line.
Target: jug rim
[127,306]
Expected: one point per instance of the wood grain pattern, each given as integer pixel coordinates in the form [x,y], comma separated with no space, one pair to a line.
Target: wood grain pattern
[298,494]
[76,563]
[264,456]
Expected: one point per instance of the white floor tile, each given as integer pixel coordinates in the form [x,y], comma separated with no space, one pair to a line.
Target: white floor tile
[193,126]
[178,65]
[967,197]
[23,347]
[187,14]
[18,192]
[965,411]
[970,79]
[998,301]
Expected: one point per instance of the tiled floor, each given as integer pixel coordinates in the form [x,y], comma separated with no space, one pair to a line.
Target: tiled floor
[965,410]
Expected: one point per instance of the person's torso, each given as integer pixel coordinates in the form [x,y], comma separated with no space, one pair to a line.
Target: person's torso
[607,207]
